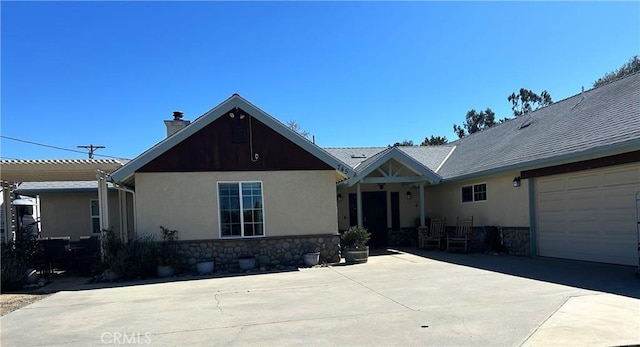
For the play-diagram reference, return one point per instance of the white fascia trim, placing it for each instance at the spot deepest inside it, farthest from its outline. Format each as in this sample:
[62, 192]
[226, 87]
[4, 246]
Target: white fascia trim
[446, 158]
[402, 157]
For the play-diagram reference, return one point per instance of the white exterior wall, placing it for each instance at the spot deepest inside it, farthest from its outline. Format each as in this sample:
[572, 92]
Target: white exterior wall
[505, 205]
[294, 202]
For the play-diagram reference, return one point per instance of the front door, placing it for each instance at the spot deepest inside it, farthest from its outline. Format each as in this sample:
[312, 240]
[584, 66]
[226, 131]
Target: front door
[374, 216]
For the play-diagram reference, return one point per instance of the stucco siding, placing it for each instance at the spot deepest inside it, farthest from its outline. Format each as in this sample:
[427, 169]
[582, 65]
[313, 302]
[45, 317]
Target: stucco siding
[295, 202]
[505, 204]
[69, 214]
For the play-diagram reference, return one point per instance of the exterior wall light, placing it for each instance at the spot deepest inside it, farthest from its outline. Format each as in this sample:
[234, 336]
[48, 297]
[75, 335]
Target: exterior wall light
[409, 196]
[516, 182]
[339, 197]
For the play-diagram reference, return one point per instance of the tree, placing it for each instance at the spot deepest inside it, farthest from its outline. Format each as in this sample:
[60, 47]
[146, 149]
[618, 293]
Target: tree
[293, 125]
[434, 141]
[630, 67]
[475, 121]
[403, 143]
[526, 100]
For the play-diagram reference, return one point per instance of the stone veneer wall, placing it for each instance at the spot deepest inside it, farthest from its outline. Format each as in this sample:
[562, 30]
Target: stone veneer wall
[516, 240]
[270, 252]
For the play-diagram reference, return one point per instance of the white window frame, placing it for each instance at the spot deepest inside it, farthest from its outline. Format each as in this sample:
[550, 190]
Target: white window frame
[264, 220]
[92, 216]
[473, 192]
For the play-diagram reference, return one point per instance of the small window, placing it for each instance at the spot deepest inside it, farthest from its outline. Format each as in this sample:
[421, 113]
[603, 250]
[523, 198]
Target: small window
[467, 194]
[241, 209]
[95, 217]
[476, 192]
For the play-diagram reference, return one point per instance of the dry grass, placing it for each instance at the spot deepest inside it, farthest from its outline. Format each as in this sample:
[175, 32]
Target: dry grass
[12, 302]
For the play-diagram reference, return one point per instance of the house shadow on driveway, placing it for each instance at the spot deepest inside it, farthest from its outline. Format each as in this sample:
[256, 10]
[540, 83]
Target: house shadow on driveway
[84, 283]
[614, 279]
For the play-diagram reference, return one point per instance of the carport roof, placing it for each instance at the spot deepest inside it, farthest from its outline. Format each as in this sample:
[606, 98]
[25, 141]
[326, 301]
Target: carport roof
[55, 169]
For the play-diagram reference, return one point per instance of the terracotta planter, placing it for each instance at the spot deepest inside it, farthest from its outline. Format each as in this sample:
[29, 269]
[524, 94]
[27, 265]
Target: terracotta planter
[355, 255]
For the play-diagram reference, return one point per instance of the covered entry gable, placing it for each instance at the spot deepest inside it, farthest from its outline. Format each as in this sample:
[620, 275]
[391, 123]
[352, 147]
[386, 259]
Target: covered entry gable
[392, 166]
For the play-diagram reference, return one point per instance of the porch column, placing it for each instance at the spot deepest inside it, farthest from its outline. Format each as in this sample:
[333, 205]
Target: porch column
[8, 210]
[124, 223]
[103, 200]
[422, 204]
[359, 204]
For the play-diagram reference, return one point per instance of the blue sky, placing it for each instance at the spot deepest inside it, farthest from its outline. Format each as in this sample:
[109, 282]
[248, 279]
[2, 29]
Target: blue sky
[350, 73]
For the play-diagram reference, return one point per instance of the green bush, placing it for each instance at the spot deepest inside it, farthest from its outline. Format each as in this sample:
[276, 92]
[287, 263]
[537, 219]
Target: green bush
[135, 259]
[16, 258]
[168, 254]
[355, 237]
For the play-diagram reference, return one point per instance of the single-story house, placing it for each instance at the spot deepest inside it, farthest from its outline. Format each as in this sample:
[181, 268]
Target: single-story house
[561, 181]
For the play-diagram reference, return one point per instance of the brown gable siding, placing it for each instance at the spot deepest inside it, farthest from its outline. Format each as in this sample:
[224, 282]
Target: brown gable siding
[225, 145]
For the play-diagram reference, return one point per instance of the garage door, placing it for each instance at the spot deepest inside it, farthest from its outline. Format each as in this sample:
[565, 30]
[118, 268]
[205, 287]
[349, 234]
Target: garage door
[589, 215]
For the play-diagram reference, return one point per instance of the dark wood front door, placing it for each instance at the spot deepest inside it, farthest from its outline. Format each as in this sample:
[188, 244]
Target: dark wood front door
[374, 216]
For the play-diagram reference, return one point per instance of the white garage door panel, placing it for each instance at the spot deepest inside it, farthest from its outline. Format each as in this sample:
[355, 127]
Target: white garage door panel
[589, 215]
[582, 182]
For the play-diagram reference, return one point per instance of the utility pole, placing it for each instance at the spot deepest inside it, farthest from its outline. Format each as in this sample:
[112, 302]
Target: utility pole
[91, 149]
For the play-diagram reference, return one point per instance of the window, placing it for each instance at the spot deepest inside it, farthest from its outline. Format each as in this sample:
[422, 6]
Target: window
[95, 217]
[241, 210]
[476, 192]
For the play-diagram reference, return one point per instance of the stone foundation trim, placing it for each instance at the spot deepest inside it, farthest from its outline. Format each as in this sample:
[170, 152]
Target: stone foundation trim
[270, 252]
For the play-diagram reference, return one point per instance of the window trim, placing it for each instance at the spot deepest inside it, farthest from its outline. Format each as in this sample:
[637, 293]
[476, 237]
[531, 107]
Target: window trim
[473, 192]
[92, 216]
[264, 219]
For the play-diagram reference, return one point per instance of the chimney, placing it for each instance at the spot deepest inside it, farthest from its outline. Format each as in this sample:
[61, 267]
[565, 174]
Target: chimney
[175, 125]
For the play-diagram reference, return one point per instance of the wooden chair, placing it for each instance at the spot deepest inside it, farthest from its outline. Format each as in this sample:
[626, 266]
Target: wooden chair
[459, 241]
[433, 237]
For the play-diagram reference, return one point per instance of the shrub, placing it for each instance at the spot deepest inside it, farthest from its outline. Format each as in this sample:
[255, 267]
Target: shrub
[168, 254]
[355, 237]
[16, 258]
[134, 259]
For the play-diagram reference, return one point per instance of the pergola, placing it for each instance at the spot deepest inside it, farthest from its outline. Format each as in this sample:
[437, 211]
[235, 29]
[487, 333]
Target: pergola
[13, 172]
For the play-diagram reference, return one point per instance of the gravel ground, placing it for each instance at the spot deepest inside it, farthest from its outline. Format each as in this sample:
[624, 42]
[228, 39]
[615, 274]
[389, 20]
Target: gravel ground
[12, 302]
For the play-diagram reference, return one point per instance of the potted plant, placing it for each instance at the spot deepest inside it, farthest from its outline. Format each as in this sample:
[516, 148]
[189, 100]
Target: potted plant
[205, 267]
[312, 257]
[246, 262]
[168, 259]
[354, 243]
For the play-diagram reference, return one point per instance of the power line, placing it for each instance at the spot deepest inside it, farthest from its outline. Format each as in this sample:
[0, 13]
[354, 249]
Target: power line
[56, 147]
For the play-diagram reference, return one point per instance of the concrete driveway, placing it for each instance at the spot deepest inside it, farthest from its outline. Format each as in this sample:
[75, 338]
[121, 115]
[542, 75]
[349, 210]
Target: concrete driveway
[398, 298]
